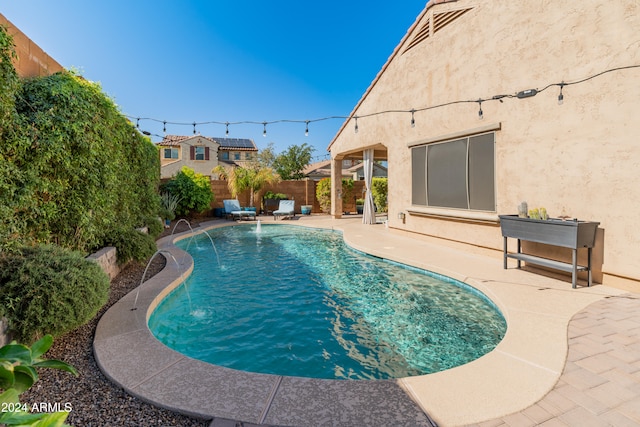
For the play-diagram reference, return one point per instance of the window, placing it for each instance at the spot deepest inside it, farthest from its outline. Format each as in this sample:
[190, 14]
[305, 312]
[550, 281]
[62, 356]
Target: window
[236, 156]
[247, 156]
[224, 155]
[199, 153]
[455, 174]
[170, 153]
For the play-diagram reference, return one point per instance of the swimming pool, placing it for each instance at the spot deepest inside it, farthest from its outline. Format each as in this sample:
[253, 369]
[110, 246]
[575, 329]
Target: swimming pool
[298, 302]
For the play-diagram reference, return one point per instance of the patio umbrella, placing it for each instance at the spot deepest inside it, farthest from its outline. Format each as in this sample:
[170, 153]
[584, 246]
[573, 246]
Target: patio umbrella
[368, 214]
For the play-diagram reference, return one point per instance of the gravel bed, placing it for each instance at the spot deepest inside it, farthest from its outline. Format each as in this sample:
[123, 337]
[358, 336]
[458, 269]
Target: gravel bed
[95, 401]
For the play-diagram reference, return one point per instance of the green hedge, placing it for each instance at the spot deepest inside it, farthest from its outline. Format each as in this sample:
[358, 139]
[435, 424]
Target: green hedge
[49, 290]
[72, 168]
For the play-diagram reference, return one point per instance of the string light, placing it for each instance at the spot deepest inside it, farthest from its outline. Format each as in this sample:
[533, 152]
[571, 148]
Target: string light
[520, 95]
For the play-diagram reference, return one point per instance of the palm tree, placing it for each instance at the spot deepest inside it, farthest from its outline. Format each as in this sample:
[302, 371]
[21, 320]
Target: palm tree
[253, 177]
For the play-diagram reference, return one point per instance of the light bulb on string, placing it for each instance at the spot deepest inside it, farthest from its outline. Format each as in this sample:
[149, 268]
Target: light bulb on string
[306, 129]
[264, 131]
[561, 96]
[138, 123]
[164, 126]
[413, 119]
[480, 113]
[226, 132]
[356, 127]
[194, 128]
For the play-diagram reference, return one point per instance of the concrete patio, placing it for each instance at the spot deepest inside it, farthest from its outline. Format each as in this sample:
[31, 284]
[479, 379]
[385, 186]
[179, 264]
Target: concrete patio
[549, 369]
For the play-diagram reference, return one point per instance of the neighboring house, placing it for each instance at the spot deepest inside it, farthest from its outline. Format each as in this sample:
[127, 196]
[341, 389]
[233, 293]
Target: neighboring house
[480, 84]
[236, 151]
[202, 153]
[197, 152]
[350, 169]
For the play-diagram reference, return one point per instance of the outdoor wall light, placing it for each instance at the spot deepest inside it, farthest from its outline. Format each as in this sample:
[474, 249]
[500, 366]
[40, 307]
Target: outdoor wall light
[401, 216]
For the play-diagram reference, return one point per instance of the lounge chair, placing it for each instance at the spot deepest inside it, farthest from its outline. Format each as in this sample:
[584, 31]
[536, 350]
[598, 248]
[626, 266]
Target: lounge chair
[233, 210]
[285, 208]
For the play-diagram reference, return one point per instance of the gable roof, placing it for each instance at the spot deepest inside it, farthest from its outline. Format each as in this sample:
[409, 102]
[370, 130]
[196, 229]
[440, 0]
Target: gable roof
[226, 144]
[176, 140]
[419, 36]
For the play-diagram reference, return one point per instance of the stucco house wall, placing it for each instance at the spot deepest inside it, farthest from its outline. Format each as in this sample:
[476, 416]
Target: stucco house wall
[579, 159]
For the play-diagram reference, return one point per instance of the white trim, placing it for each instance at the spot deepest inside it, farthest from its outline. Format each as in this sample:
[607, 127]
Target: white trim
[455, 214]
[455, 135]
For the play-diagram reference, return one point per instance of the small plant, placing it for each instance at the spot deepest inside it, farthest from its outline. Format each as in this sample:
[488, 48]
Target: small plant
[543, 214]
[18, 364]
[359, 202]
[274, 196]
[169, 204]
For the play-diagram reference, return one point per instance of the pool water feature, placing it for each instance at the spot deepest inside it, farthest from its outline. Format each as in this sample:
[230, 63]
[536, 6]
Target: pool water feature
[297, 301]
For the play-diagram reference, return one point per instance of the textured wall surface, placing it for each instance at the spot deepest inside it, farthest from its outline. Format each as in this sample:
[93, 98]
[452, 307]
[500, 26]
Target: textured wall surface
[578, 159]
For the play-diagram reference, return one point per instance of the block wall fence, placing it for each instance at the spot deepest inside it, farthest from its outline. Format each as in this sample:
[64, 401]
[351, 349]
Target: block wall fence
[32, 61]
[302, 191]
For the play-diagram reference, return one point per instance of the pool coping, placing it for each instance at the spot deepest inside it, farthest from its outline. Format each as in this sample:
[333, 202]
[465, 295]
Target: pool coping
[519, 372]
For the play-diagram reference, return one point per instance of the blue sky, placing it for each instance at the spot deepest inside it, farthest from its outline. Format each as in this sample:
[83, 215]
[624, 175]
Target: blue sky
[223, 60]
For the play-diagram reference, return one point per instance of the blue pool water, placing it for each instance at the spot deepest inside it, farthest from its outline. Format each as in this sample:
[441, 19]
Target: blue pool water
[297, 301]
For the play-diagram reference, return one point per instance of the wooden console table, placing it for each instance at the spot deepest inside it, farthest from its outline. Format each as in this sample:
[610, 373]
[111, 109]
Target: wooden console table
[556, 232]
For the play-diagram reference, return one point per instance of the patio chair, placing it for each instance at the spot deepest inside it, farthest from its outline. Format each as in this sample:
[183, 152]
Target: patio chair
[285, 208]
[232, 209]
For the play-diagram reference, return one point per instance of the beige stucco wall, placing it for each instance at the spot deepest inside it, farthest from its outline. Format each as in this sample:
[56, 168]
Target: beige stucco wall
[580, 159]
[169, 168]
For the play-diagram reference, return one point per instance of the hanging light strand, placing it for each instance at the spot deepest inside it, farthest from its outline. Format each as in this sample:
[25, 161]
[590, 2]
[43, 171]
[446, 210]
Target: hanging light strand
[520, 95]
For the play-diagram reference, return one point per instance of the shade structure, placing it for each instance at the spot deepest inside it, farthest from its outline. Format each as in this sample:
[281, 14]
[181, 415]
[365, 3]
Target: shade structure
[368, 211]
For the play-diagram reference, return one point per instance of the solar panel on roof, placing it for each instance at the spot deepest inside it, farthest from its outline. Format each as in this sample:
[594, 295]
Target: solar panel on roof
[235, 142]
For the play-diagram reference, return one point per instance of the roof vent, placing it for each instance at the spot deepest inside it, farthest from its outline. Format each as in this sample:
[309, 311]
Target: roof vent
[434, 23]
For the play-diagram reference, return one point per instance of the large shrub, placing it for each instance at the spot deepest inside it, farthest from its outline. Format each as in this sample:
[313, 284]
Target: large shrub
[192, 189]
[323, 192]
[72, 167]
[49, 290]
[379, 191]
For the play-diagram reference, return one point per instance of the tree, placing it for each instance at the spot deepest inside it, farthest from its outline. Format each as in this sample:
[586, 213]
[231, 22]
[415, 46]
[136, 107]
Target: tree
[292, 162]
[267, 156]
[252, 177]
